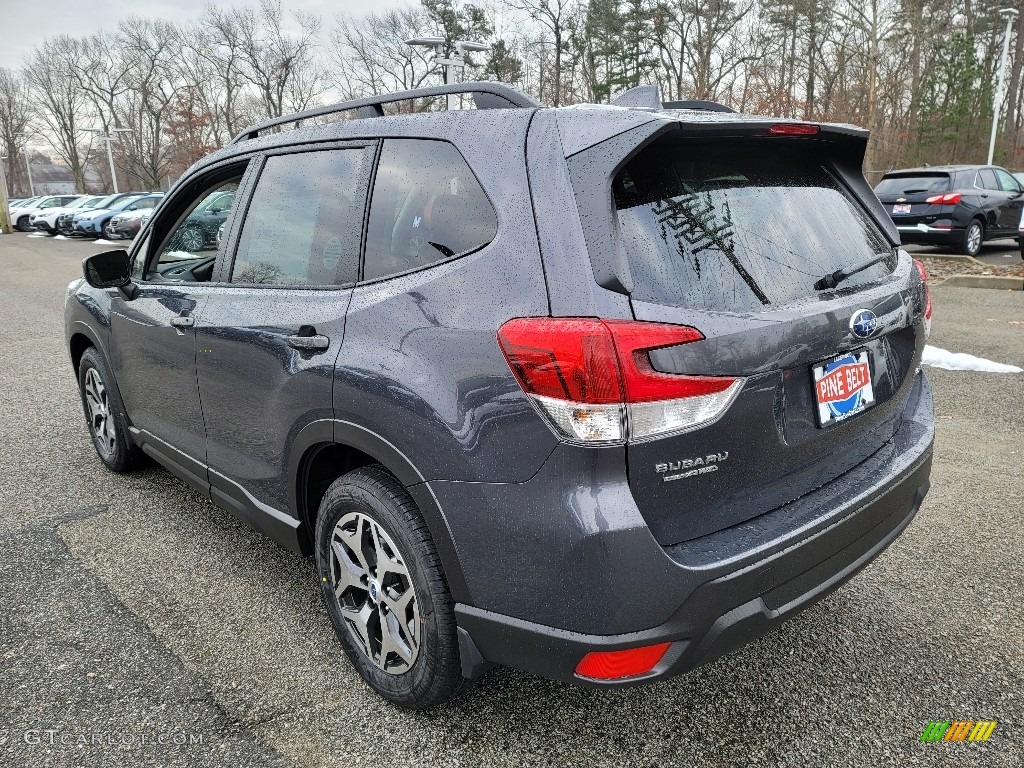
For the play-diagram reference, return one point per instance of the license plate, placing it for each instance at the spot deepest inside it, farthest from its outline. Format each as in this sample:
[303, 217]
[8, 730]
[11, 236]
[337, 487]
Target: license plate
[901, 208]
[842, 387]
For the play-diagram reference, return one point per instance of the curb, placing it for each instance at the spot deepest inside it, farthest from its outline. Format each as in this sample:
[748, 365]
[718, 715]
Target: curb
[985, 281]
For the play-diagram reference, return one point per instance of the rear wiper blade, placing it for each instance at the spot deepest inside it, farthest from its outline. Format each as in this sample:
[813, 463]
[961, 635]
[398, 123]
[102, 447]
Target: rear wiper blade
[833, 279]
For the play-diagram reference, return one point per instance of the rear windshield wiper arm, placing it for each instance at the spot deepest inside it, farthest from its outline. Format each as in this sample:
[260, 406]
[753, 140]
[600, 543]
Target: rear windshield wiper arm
[833, 279]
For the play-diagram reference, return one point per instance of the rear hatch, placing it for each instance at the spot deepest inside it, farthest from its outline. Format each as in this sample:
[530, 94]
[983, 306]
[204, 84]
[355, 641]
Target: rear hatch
[905, 195]
[733, 237]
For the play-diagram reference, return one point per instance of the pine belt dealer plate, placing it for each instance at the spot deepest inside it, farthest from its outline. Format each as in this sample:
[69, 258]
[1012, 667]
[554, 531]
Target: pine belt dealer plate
[842, 387]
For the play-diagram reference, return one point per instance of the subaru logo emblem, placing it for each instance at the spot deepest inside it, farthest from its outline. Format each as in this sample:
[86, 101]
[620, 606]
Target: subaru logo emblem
[863, 323]
[373, 592]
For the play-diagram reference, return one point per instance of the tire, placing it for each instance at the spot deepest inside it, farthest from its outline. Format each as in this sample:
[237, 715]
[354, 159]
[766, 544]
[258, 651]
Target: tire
[109, 233]
[420, 668]
[23, 225]
[974, 236]
[190, 238]
[104, 415]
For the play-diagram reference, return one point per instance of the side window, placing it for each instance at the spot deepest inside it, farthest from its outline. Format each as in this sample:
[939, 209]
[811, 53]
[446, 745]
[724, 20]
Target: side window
[1008, 183]
[192, 240]
[987, 179]
[427, 206]
[304, 224]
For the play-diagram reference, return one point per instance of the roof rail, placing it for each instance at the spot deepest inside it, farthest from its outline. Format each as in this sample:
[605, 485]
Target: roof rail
[485, 95]
[707, 106]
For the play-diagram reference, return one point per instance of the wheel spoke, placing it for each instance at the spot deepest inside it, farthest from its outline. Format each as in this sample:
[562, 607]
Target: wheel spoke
[385, 563]
[393, 638]
[359, 619]
[349, 572]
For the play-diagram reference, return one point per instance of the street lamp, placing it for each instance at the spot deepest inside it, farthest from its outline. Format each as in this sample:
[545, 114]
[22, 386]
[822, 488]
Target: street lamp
[462, 47]
[110, 137]
[1009, 14]
[28, 165]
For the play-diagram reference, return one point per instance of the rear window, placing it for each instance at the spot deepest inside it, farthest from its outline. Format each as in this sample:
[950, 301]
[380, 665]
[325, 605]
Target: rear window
[718, 226]
[916, 184]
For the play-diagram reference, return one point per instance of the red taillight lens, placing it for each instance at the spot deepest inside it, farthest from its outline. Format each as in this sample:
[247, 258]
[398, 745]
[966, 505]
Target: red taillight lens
[585, 373]
[927, 297]
[564, 358]
[951, 198]
[642, 383]
[793, 129]
[613, 665]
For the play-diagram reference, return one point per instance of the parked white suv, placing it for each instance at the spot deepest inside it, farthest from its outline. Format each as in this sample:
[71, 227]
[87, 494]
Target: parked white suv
[46, 219]
[21, 218]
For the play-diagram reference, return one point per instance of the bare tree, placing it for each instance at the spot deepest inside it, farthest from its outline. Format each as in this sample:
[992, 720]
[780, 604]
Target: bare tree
[63, 104]
[15, 117]
[280, 66]
[370, 54]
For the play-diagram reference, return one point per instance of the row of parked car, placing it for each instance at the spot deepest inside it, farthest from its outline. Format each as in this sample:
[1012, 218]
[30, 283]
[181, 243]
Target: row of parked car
[117, 216]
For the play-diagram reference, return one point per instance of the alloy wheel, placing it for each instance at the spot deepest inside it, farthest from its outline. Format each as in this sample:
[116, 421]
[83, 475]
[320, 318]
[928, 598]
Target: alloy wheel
[101, 421]
[192, 240]
[375, 593]
[974, 239]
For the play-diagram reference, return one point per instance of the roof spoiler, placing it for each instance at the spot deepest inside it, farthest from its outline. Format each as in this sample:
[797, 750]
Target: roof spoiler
[647, 97]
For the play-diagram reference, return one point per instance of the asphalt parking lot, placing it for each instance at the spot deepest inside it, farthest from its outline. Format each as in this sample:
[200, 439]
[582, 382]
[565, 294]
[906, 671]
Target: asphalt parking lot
[135, 611]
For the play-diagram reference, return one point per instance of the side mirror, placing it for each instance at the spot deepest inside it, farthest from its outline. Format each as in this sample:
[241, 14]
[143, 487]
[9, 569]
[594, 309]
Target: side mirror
[110, 269]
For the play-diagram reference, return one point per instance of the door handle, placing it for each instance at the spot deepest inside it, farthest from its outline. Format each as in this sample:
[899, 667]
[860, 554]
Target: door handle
[314, 343]
[183, 321]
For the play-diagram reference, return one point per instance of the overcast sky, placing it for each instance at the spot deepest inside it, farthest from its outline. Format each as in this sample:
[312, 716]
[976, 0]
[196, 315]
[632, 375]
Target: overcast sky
[25, 23]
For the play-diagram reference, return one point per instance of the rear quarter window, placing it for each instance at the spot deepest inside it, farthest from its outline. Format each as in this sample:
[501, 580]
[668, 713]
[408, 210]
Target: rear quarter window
[733, 227]
[427, 207]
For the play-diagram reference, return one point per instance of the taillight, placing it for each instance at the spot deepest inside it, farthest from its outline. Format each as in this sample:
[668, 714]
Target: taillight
[927, 297]
[594, 381]
[614, 665]
[793, 129]
[950, 198]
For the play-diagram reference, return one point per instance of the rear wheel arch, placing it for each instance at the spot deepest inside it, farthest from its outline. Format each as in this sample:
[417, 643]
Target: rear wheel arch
[325, 450]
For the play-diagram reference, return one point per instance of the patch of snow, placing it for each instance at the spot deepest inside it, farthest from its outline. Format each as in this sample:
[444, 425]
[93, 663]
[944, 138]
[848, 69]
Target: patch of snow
[37, 234]
[61, 237]
[937, 357]
[105, 242]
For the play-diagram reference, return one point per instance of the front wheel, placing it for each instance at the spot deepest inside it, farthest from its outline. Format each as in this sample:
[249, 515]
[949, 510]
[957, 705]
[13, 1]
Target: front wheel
[23, 224]
[385, 590]
[974, 236]
[108, 425]
[109, 233]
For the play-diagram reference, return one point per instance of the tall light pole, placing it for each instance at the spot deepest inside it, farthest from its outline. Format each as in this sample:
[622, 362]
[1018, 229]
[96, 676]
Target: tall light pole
[1009, 14]
[28, 165]
[462, 47]
[109, 137]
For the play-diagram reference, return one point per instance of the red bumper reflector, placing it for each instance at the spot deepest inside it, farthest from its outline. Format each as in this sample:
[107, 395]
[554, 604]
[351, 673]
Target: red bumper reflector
[612, 665]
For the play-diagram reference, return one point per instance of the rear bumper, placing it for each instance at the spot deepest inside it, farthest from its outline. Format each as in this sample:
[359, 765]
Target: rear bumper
[923, 234]
[725, 589]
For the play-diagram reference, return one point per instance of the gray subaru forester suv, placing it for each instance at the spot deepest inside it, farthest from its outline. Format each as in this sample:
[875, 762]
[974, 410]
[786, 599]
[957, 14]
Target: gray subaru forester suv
[600, 393]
